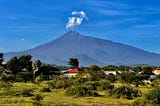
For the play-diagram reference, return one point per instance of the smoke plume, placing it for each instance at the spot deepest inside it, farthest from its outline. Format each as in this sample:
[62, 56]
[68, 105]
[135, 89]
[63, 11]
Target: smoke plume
[76, 19]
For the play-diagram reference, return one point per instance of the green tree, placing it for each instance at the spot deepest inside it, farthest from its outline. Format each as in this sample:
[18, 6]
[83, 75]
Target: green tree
[18, 64]
[14, 65]
[94, 68]
[25, 62]
[73, 62]
[95, 72]
[46, 71]
[147, 70]
[1, 58]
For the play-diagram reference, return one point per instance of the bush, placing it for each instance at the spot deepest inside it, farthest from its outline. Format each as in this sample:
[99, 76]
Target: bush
[140, 102]
[80, 91]
[125, 78]
[24, 76]
[5, 85]
[24, 92]
[154, 96]
[38, 98]
[55, 77]
[111, 77]
[105, 85]
[38, 80]
[51, 84]
[8, 77]
[27, 92]
[156, 83]
[125, 92]
[79, 81]
[91, 85]
[45, 90]
[63, 83]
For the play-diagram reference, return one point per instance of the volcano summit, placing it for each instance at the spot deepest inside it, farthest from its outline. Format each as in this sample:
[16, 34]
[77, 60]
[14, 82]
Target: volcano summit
[88, 50]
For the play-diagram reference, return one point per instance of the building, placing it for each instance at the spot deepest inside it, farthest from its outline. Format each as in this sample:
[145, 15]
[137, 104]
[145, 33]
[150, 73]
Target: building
[110, 72]
[72, 72]
[156, 71]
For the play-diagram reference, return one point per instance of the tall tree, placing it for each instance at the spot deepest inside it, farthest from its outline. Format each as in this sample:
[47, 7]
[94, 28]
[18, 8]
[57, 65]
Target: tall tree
[17, 64]
[25, 62]
[1, 58]
[14, 65]
[73, 62]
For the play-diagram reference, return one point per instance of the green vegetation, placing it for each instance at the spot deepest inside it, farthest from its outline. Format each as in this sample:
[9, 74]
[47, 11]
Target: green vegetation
[127, 92]
[33, 83]
[154, 96]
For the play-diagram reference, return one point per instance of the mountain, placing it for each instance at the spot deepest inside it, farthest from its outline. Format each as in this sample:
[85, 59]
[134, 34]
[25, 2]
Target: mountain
[88, 50]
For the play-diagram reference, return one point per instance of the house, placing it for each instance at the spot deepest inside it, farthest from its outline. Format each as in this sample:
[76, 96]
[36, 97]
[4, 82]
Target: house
[110, 72]
[72, 72]
[156, 71]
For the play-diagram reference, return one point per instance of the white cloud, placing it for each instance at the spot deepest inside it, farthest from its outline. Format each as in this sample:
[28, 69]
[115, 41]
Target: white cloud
[77, 19]
[82, 14]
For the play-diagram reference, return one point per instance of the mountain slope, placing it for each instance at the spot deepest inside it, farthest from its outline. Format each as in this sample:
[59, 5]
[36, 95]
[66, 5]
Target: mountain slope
[88, 50]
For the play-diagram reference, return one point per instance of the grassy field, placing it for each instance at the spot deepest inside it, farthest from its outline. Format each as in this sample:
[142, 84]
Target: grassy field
[57, 97]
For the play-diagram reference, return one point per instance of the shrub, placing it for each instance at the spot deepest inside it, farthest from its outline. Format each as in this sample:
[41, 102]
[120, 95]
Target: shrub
[27, 92]
[156, 83]
[45, 90]
[139, 102]
[38, 80]
[5, 85]
[8, 77]
[80, 91]
[51, 84]
[24, 76]
[79, 81]
[154, 96]
[125, 78]
[92, 85]
[105, 85]
[38, 98]
[125, 92]
[63, 83]
[55, 77]
[24, 92]
[111, 77]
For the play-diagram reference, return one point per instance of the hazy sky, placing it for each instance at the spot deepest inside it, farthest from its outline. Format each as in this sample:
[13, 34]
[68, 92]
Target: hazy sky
[26, 24]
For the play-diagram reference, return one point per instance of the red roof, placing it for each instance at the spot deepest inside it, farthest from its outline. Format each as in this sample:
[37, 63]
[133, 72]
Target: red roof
[75, 70]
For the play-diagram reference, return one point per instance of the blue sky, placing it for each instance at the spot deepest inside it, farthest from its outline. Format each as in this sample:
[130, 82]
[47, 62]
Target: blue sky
[25, 24]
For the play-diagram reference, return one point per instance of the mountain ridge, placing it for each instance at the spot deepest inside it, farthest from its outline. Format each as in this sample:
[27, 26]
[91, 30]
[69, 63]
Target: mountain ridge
[89, 50]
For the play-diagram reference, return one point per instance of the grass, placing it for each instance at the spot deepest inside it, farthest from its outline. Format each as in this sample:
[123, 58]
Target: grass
[58, 98]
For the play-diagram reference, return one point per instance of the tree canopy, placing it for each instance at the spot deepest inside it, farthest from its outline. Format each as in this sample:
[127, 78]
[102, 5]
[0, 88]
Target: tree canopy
[16, 64]
[73, 62]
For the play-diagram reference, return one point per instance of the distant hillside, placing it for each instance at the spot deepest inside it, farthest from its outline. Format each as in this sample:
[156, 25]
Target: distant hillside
[89, 50]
